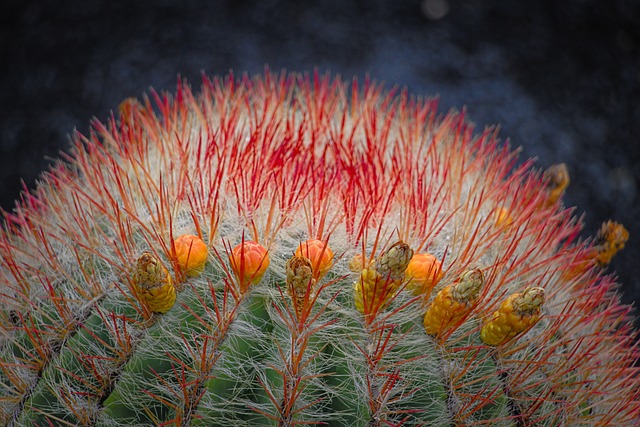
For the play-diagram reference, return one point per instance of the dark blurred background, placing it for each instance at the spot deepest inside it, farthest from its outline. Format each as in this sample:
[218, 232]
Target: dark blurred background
[561, 78]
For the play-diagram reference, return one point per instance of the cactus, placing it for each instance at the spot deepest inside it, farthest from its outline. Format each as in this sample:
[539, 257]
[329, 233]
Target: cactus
[291, 250]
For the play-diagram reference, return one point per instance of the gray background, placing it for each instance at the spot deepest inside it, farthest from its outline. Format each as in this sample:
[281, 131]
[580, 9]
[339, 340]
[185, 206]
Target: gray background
[561, 78]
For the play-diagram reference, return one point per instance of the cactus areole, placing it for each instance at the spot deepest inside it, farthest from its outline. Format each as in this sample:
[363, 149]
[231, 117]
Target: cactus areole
[243, 256]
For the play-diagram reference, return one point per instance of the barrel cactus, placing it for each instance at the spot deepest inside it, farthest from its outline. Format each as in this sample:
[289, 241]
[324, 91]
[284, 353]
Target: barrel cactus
[293, 249]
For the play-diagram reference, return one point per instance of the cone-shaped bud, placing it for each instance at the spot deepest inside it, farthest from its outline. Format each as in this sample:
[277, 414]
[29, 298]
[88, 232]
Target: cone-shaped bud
[380, 282]
[320, 255]
[393, 263]
[422, 274]
[191, 253]
[556, 179]
[610, 239]
[153, 284]
[249, 261]
[516, 314]
[300, 281]
[453, 303]
[373, 290]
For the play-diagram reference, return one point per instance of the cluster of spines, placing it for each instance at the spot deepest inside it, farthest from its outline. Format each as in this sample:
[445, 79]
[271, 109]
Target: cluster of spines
[67, 254]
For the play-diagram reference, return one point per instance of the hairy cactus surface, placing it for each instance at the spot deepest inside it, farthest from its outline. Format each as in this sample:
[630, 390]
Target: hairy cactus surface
[291, 250]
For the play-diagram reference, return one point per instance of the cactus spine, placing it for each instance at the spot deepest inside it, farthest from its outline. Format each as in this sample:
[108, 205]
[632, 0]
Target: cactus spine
[292, 250]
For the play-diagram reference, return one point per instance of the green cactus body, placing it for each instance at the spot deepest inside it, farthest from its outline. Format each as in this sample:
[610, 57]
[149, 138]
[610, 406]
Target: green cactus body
[335, 339]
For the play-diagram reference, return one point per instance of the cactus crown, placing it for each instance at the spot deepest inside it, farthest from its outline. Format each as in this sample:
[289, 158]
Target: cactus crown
[292, 250]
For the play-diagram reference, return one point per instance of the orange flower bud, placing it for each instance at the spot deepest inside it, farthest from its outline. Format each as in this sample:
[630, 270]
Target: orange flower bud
[610, 239]
[191, 254]
[556, 179]
[502, 217]
[320, 255]
[249, 261]
[422, 274]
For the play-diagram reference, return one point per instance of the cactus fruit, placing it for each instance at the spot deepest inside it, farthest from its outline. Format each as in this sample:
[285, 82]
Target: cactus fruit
[294, 299]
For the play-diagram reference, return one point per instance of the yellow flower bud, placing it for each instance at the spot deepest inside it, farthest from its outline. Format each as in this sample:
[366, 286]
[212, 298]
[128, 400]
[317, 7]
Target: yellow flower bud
[610, 239]
[453, 303]
[153, 284]
[393, 263]
[191, 253]
[371, 288]
[320, 255]
[249, 261]
[300, 281]
[516, 314]
[379, 282]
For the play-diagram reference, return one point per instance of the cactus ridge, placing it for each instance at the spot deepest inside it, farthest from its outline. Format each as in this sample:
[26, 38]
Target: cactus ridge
[307, 197]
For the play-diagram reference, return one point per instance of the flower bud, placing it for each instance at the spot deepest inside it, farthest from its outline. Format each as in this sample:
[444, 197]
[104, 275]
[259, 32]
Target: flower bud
[153, 284]
[249, 261]
[191, 253]
[320, 255]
